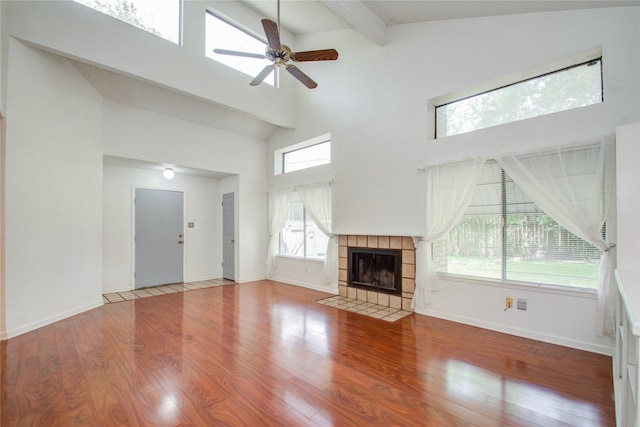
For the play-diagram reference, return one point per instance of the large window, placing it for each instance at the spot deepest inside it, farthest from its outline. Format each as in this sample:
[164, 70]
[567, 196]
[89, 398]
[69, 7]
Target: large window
[572, 87]
[301, 237]
[503, 235]
[159, 17]
[222, 34]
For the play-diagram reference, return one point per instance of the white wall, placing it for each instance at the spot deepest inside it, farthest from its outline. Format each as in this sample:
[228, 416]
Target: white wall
[74, 30]
[53, 191]
[302, 272]
[374, 102]
[202, 244]
[139, 134]
[628, 178]
[59, 128]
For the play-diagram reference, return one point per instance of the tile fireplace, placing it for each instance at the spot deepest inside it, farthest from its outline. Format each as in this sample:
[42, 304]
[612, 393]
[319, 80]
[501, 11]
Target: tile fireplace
[377, 269]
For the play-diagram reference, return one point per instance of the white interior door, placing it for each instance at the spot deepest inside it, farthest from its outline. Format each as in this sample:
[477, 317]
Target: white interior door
[159, 237]
[228, 237]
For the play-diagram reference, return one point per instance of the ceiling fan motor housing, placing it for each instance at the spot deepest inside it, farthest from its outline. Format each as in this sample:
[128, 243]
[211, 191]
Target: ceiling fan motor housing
[279, 56]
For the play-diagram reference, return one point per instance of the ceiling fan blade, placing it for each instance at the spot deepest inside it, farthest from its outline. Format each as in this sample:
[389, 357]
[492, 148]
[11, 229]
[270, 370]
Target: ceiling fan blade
[302, 77]
[315, 55]
[263, 75]
[271, 31]
[236, 53]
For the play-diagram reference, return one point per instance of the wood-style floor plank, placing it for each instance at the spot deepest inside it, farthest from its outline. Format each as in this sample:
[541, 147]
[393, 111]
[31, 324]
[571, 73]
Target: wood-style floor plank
[264, 353]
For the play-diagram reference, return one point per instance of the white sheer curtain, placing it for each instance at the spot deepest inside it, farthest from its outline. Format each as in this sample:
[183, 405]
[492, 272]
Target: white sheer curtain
[449, 190]
[278, 213]
[317, 202]
[573, 185]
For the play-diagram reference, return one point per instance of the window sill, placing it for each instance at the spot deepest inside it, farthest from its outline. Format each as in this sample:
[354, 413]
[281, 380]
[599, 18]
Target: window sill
[296, 258]
[530, 287]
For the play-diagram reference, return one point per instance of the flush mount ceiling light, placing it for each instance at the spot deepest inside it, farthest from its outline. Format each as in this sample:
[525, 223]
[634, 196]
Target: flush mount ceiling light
[168, 173]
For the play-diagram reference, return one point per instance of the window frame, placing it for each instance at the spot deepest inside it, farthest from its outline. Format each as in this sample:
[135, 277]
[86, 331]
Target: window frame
[180, 18]
[554, 66]
[504, 254]
[279, 154]
[284, 156]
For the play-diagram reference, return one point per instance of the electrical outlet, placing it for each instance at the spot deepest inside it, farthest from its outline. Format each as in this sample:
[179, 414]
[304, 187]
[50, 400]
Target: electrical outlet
[522, 304]
[508, 303]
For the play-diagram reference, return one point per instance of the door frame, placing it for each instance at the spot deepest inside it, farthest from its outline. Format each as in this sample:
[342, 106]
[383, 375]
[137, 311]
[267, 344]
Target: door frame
[133, 229]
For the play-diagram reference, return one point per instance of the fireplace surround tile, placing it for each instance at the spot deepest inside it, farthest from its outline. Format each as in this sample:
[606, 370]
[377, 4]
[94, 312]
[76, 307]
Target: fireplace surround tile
[403, 243]
[395, 242]
[395, 302]
[352, 293]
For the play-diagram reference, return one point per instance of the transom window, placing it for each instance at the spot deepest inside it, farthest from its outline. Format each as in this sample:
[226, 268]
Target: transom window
[307, 154]
[222, 34]
[564, 89]
[301, 237]
[503, 235]
[307, 157]
[159, 17]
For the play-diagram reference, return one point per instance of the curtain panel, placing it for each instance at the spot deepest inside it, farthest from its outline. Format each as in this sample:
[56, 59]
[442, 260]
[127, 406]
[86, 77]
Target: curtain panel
[573, 185]
[449, 190]
[278, 212]
[317, 202]
[316, 199]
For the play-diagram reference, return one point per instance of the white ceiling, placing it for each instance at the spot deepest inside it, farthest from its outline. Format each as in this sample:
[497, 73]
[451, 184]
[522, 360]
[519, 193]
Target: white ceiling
[372, 17]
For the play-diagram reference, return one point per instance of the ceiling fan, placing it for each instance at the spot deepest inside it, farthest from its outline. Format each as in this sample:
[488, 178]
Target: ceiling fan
[281, 54]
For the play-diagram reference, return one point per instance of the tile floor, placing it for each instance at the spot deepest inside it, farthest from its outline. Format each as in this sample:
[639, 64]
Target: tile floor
[367, 308]
[163, 289]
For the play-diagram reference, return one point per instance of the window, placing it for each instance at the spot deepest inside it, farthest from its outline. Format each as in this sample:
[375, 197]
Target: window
[503, 235]
[307, 157]
[301, 237]
[159, 17]
[307, 154]
[222, 34]
[572, 87]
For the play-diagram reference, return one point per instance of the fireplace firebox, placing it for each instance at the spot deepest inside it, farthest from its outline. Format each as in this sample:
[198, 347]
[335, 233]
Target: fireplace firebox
[375, 269]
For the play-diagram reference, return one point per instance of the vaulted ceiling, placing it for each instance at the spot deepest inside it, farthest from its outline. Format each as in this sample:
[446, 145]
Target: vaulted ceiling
[373, 17]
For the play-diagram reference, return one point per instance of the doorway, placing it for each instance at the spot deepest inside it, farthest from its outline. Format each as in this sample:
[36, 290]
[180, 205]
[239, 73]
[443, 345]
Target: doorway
[228, 237]
[159, 237]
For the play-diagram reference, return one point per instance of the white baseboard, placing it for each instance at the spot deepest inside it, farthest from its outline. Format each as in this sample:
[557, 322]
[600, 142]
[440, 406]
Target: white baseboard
[332, 289]
[48, 320]
[202, 278]
[251, 278]
[112, 289]
[524, 333]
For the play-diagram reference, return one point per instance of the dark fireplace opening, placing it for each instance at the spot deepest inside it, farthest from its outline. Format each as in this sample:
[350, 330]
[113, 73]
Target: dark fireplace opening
[375, 269]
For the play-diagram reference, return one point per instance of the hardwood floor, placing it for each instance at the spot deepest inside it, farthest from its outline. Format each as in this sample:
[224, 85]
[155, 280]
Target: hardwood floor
[264, 353]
